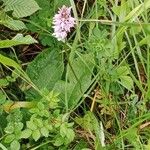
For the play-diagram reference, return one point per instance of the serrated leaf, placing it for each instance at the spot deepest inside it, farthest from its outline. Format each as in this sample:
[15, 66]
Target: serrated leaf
[44, 131]
[36, 134]
[10, 22]
[39, 122]
[21, 8]
[67, 133]
[48, 125]
[19, 126]
[15, 24]
[15, 145]
[31, 125]
[26, 133]
[17, 40]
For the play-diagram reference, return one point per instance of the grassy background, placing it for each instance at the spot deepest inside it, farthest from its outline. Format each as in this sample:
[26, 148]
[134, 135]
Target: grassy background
[102, 71]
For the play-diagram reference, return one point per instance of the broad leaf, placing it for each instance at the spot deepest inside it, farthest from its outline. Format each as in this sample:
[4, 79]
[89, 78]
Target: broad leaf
[46, 69]
[79, 76]
[17, 40]
[11, 23]
[21, 8]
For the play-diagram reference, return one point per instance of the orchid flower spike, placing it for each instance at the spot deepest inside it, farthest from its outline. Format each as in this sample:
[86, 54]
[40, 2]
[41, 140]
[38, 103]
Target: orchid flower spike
[63, 22]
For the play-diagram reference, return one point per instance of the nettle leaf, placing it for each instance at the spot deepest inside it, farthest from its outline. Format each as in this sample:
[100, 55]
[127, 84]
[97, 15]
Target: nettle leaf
[10, 22]
[17, 40]
[78, 82]
[46, 69]
[21, 8]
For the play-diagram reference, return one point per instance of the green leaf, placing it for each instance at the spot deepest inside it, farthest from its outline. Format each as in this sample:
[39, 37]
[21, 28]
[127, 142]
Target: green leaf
[39, 122]
[2, 97]
[9, 138]
[67, 133]
[138, 10]
[59, 141]
[81, 145]
[123, 70]
[15, 145]
[36, 134]
[46, 69]
[48, 125]
[10, 22]
[40, 106]
[121, 10]
[3, 83]
[3, 147]
[44, 131]
[9, 129]
[79, 82]
[63, 130]
[127, 82]
[9, 62]
[17, 40]
[88, 122]
[26, 133]
[31, 125]
[21, 8]
[70, 136]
